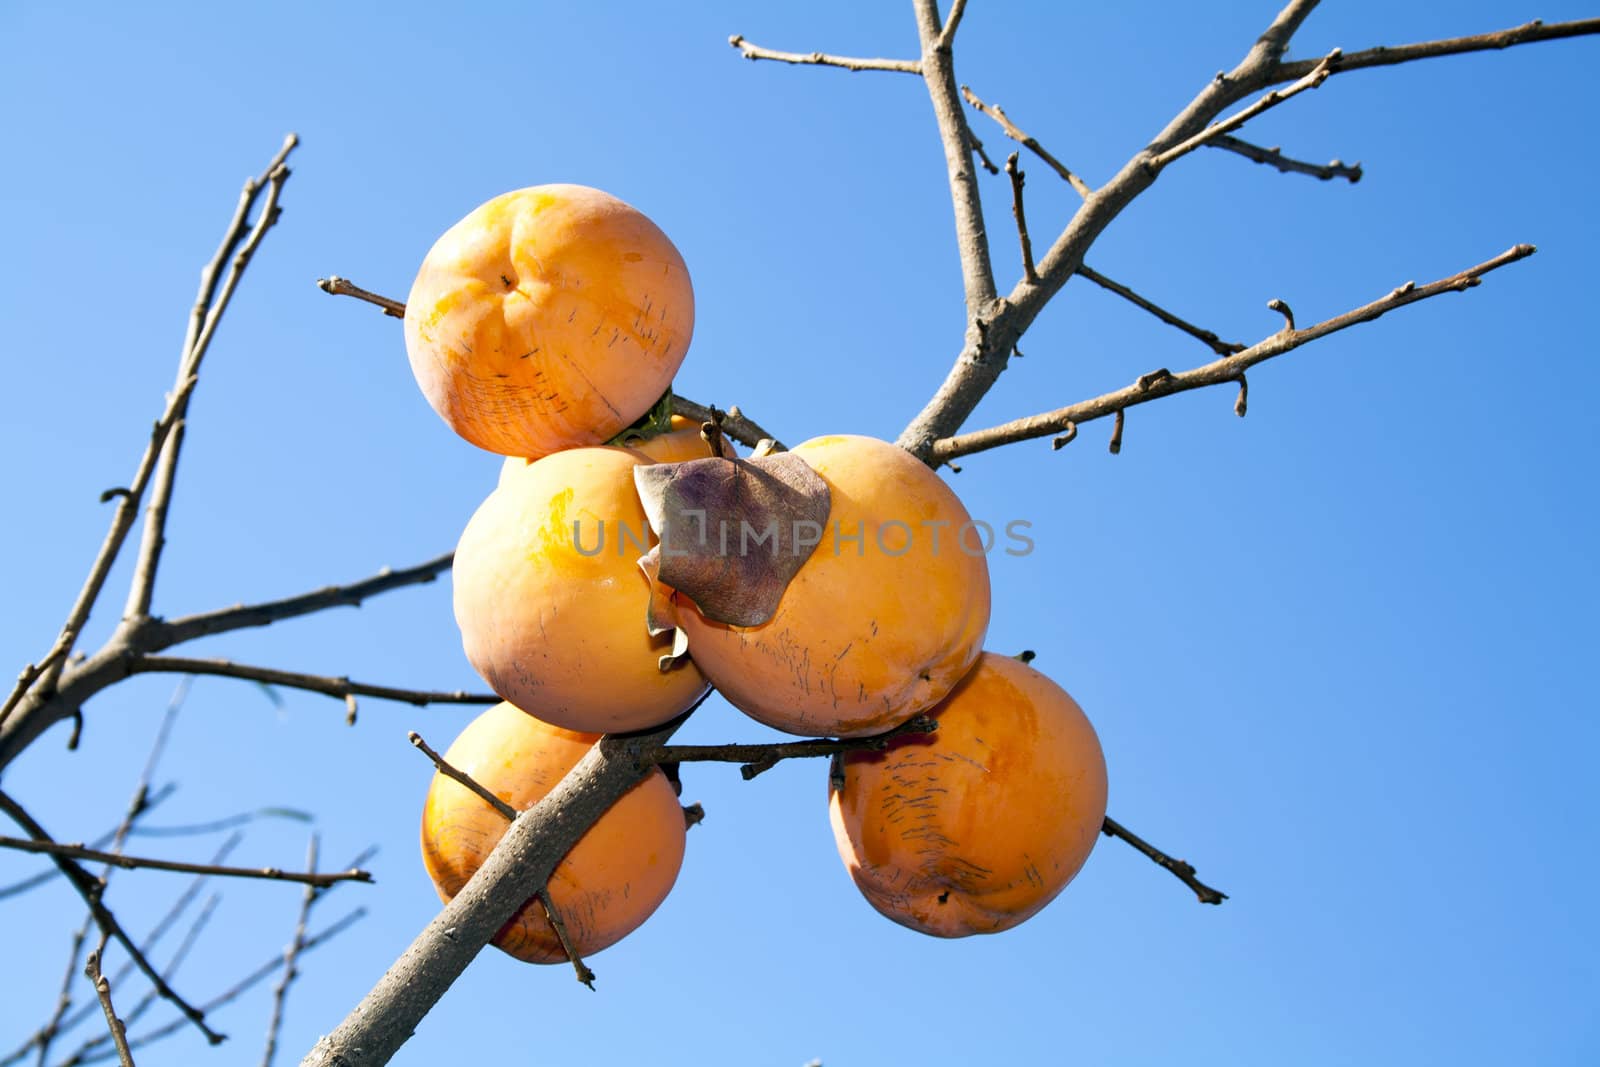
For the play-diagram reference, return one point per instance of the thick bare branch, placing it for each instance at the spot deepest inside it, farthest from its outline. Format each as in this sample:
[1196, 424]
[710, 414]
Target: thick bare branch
[1274, 157]
[1381, 56]
[819, 59]
[328, 685]
[238, 248]
[1181, 869]
[996, 112]
[165, 634]
[972, 241]
[117, 859]
[1226, 370]
[522, 862]
[1211, 340]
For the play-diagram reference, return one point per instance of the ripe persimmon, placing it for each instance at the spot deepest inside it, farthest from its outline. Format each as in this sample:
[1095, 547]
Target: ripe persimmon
[617, 874]
[552, 604]
[680, 442]
[975, 827]
[882, 619]
[548, 318]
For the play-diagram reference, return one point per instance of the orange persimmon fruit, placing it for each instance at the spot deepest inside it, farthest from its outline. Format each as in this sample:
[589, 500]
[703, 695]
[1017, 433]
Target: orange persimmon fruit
[617, 874]
[884, 617]
[681, 441]
[548, 318]
[551, 602]
[975, 827]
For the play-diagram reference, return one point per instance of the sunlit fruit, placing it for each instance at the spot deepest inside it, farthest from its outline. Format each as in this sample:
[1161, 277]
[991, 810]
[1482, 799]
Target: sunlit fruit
[975, 827]
[883, 618]
[548, 318]
[617, 874]
[552, 604]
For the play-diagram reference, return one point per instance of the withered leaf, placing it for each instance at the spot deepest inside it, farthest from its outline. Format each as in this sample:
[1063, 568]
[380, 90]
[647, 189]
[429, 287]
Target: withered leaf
[733, 532]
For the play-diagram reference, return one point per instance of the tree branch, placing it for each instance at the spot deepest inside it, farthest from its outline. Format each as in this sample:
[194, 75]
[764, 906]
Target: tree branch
[952, 22]
[1228, 369]
[1274, 157]
[327, 685]
[451, 771]
[240, 243]
[1017, 177]
[334, 285]
[818, 59]
[291, 955]
[102, 989]
[117, 859]
[1381, 56]
[1312, 80]
[758, 758]
[735, 423]
[1012, 131]
[165, 634]
[91, 888]
[522, 862]
[972, 242]
[1181, 869]
[1211, 340]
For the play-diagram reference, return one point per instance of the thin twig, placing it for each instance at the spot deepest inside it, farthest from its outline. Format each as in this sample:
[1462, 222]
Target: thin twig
[1527, 33]
[1225, 370]
[103, 841]
[102, 989]
[86, 1053]
[280, 992]
[1312, 79]
[758, 758]
[1181, 869]
[1274, 157]
[90, 889]
[581, 969]
[328, 685]
[353, 594]
[998, 113]
[337, 286]
[118, 859]
[983, 157]
[238, 248]
[449, 770]
[735, 423]
[1211, 340]
[819, 59]
[1022, 219]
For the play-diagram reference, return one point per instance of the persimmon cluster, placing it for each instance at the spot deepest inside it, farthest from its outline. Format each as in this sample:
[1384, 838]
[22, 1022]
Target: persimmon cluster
[547, 326]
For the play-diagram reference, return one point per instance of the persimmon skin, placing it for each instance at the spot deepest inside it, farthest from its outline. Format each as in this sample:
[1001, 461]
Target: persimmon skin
[550, 317]
[614, 878]
[974, 828]
[681, 442]
[558, 629]
[863, 639]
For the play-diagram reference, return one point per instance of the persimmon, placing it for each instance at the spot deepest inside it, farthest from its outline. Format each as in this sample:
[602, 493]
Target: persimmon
[975, 827]
[617, 874]
[681, 441]
[881, 620]
[548, 318]
[551, 602]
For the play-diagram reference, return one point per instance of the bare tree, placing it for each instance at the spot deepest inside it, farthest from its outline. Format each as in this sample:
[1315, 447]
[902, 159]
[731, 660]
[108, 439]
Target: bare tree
[58, 684]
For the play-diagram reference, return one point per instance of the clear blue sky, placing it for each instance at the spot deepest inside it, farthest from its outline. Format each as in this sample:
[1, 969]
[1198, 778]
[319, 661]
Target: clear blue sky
[1340, 653]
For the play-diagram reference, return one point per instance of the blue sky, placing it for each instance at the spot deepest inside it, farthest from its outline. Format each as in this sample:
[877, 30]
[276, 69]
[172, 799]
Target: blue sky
[1339, 652]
